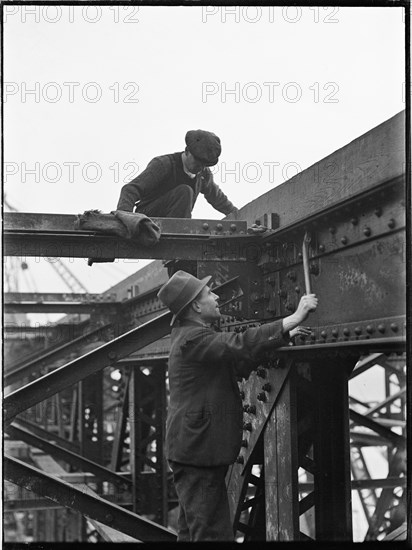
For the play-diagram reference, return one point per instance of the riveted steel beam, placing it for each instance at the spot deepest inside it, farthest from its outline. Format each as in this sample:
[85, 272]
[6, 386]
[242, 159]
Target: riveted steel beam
[53, 235]
[31, 367]
[104, 474]
[105, 355]
[90, 506]
[108, 308]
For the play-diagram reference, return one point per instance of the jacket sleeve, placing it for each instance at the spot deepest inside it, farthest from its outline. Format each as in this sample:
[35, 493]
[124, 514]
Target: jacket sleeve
[214, 195]
[144, 185]
[208, 347]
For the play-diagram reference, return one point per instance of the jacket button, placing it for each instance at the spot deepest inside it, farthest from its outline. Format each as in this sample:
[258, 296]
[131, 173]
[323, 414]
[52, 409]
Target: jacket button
[240, 460]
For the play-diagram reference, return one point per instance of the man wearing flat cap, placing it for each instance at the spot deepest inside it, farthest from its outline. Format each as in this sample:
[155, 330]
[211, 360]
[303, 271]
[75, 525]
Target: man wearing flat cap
[204, 418]
[170, 184]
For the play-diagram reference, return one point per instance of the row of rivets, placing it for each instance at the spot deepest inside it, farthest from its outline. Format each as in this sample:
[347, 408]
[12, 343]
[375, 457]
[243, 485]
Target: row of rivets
[370, 329]
[219, 226]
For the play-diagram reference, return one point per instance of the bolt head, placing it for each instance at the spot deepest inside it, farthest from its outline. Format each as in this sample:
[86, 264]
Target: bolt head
[219, 227]
[369, 329]
[358, 331]
[367, 231]
[381, 328]
[205, 226]
[323, 333]
[321, 248]
[354, 221]
[344, 240]
[394, 327]
[391, 223]
[346, 331]
[233, 227]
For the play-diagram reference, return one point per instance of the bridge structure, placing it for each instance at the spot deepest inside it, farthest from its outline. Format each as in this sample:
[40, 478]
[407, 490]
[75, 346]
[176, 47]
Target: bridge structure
[85, 407]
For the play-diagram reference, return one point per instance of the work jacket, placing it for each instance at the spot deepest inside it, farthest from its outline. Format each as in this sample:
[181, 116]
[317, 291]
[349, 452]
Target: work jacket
[205, 418]
[163, 174]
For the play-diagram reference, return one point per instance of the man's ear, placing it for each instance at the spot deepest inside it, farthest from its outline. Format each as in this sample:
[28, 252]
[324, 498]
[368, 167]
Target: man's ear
[196, 306]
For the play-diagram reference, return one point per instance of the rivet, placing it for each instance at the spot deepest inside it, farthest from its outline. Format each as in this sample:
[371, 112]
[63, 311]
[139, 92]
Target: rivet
[233, 227]
[344, 240]
[358, 330]
[394, 327]
[332, 229]
[354, 221]
[297, 289]
[205, 226]
[313, 336]
[219, 227]
[391, 223]
[381, 328]
[367, 231]
[321, 248]
[335, 332]
[267, 387]
[247, 426]
[244, 443]
[240, 460]
[323, 334]
[252, 409]
[261, 372]
[369, 329]
[346, 331]
[261, 397]
[378, 211]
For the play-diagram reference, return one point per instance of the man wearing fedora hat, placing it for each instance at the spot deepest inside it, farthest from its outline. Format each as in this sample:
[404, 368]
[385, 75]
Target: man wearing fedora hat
[170, 184]
[204, 420]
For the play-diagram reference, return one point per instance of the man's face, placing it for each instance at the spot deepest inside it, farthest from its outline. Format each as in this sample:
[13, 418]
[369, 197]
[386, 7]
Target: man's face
[193, 164]
[208, 306]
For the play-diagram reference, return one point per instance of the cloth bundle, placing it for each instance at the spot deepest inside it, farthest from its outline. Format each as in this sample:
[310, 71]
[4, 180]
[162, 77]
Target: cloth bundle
[134, 227]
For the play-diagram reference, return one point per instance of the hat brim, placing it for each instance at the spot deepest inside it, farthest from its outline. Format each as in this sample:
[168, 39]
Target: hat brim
[203, 283]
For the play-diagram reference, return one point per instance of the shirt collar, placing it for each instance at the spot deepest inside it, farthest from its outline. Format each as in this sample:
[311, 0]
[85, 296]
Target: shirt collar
[186, 171]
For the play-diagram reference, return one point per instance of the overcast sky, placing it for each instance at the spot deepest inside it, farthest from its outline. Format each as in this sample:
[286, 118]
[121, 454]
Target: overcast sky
[92, 93]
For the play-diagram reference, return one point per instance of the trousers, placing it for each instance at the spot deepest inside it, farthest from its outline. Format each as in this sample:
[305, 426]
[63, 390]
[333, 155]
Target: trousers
[176, 203]
[203, 503]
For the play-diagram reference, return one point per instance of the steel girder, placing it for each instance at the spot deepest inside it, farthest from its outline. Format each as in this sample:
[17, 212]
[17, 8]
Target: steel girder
[90, 506]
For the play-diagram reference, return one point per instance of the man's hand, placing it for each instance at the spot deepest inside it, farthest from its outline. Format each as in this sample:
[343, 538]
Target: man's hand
[307, 304]
[300, 331]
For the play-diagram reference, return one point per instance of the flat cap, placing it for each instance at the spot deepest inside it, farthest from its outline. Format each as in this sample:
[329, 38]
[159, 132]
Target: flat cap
[204, 145]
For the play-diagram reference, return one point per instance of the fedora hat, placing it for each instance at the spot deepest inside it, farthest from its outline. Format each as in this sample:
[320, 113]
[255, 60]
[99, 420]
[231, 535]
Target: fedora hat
[180, 290]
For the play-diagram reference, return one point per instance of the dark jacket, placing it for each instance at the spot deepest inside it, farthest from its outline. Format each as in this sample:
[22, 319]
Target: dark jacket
[204, 420]
[164, 173]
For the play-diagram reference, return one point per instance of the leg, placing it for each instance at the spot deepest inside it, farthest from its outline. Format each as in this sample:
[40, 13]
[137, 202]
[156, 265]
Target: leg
[182, 527]
[177, 203]
[203, 497]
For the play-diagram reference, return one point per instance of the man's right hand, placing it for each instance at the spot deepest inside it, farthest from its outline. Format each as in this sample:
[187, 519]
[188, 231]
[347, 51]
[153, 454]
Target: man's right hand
[307, 303]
